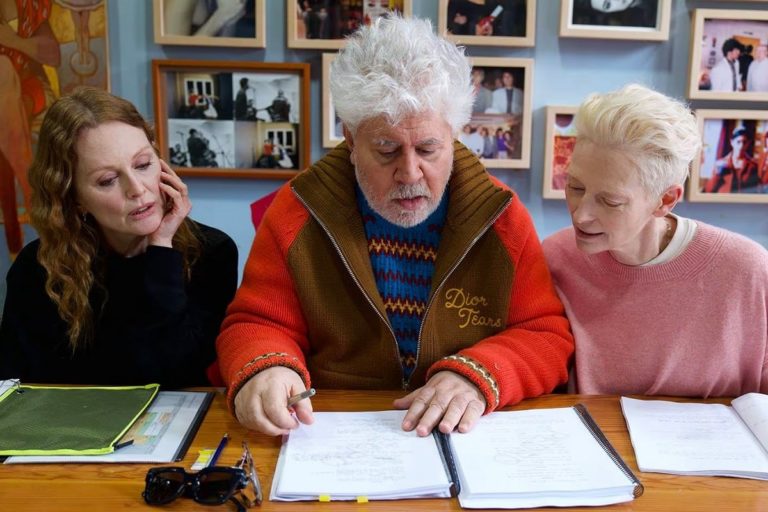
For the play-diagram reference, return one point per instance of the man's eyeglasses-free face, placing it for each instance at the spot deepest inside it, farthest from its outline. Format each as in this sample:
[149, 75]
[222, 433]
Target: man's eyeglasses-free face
[210, 486]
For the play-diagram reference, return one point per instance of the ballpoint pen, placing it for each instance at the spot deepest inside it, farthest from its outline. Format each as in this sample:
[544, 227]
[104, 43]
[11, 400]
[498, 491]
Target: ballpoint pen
[301, 396]
[219, 449]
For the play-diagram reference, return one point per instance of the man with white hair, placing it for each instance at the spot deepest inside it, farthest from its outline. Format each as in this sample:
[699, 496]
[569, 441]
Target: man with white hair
[757, 76]
[396, 261]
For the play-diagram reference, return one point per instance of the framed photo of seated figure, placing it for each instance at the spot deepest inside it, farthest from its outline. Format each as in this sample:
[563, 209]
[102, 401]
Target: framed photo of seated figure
[333, 133]
[325, 24]
[643, 20]
[729, 55]
[499, 131]
[232, 119]
[204, 23]
[488, 22]
[558, 148]
[733, 165]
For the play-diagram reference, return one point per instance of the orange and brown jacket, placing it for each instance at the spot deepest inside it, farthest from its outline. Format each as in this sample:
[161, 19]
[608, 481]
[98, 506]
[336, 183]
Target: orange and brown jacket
[309, 299]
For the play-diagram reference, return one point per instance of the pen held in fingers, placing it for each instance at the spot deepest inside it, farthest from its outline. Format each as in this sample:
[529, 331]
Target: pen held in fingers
[301, 396]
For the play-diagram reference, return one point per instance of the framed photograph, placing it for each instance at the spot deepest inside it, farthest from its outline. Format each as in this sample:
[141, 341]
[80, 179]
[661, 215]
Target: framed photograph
[644, 20]
[204, 23]
[733, 167]
[729, 55]
[499, 131]
[558, 148]
[333, 134]
[492, 23]
[324, 24]
[232, 119]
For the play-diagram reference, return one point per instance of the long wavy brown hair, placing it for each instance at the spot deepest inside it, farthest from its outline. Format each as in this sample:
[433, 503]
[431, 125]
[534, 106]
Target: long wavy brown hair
[72, 249]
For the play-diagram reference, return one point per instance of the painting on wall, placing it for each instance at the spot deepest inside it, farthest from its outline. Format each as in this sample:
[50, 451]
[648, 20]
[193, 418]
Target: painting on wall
[729, 55]
[645, 20]
[499, 131]
[232, 119]
[333, 133]
[324, 24]
[733, 166]
[72, 50]
[558, 148]
[205, 23]
[488, 23]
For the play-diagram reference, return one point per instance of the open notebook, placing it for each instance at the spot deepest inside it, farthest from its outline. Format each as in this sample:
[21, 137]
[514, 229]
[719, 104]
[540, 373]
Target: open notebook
[700, 439]
[516, 459]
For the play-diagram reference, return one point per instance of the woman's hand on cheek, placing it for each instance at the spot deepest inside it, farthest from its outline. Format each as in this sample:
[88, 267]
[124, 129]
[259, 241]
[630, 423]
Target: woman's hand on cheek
[177, 206]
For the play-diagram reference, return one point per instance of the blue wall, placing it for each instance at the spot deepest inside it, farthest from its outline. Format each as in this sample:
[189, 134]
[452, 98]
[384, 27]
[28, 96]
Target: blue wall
[565, 70]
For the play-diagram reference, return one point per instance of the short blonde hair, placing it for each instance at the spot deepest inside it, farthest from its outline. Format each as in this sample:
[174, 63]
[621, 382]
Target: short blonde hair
[658, 133]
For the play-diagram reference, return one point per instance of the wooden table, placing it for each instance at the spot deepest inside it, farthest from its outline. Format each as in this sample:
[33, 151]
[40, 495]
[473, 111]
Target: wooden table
[113, 487]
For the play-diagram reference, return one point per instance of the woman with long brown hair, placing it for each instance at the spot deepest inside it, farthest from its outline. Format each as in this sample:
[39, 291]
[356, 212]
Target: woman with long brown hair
[121, 287]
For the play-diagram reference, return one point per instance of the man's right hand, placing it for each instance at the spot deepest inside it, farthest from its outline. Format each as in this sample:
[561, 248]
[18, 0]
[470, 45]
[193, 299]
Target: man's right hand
[262, 403]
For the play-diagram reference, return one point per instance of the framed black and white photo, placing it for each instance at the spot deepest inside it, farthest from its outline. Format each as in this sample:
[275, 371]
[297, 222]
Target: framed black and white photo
[201, 23]
[244, 119]
[645, 20]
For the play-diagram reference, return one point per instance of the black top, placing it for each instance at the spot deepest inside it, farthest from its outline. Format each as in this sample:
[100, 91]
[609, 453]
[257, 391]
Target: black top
[154, 327]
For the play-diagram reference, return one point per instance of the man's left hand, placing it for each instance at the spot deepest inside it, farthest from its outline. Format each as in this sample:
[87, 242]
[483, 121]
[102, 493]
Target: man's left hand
[445, 401]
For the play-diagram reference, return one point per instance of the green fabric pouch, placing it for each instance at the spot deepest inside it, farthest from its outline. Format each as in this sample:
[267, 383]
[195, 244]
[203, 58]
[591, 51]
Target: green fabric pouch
[48, 420]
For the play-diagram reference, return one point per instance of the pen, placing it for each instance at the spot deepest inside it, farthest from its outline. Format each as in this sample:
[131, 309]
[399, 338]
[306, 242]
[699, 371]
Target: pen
[301, 396]
[219, 449]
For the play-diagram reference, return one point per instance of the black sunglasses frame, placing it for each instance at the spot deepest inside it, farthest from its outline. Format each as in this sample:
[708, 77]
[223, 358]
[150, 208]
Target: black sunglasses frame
[192, 485]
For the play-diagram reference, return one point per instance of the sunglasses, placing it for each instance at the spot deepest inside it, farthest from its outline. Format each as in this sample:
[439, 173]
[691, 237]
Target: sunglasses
[210, 486]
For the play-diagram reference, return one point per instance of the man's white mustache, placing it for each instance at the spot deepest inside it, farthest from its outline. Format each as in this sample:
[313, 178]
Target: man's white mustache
[410, 191]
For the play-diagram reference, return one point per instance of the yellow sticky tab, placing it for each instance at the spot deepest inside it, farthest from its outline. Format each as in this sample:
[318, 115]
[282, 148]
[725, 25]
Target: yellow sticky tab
[324, 498]
[362, 499]
[202, 459]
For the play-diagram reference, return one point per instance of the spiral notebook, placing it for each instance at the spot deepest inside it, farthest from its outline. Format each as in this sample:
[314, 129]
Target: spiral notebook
[514, 459]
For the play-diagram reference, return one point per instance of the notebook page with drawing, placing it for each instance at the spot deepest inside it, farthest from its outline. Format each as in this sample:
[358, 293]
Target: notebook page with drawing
[699, 439]
[537, 458]
[348, 455]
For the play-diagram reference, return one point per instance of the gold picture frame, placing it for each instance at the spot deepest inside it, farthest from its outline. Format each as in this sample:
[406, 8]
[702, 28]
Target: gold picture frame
[184, 22]
[462, 28]
[733, 165]
[559, 141]
[310, 30]
[579, 19]
[713, 30]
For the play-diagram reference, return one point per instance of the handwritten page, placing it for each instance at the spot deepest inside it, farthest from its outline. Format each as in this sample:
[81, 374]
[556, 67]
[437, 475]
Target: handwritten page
[753, 410]
[347, 455]
[692, 438]
[528, 458]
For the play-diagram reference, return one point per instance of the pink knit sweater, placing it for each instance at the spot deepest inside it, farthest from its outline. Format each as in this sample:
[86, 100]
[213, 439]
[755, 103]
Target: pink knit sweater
[695, 326]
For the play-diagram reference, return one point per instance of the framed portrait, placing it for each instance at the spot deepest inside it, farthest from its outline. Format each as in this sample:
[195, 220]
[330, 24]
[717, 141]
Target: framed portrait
[499, 131]
[492, 23]
[729, 55]
[232, 119]
[333, 134]
[558, 148]
[203, 23]
[74, 42]
[324, 24]
[645, 20]
[733, 165]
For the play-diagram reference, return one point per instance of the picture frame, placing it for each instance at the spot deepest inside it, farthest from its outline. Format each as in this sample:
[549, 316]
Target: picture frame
[319, 28]
[332, 132]
[253, 117]
[506, 115]
[559, 142]
[190, 23]
[648, 21]
[733, 165]
[718, 37]
[507, 28]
